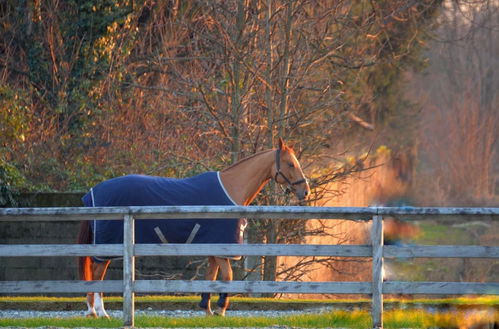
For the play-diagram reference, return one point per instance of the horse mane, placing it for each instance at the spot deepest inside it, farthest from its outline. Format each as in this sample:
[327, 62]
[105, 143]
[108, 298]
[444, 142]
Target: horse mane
[286, 149]
[246, 159]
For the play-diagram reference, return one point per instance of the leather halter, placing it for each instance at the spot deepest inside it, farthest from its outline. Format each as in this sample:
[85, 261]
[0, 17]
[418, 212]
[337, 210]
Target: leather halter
[278, 172]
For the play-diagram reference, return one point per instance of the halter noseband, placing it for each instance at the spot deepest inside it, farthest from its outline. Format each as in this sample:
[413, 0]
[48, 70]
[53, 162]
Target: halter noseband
[278, 172]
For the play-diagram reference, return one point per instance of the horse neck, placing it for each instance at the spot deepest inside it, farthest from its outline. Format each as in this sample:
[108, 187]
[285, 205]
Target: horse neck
[246, 178]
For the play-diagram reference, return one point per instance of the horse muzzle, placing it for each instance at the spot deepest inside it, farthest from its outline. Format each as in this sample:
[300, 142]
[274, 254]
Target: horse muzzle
[302, 193]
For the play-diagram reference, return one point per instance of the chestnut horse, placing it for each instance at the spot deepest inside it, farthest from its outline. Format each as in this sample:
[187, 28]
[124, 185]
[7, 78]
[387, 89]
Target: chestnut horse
[241, 182]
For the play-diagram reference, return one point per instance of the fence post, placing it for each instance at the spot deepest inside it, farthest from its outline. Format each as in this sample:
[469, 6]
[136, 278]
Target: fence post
[377, 283]
[128, 270]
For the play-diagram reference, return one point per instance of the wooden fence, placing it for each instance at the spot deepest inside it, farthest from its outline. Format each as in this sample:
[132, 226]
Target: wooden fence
[129, 286]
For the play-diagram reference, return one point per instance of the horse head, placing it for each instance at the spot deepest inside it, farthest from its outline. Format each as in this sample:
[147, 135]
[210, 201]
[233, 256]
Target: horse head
[287, 171]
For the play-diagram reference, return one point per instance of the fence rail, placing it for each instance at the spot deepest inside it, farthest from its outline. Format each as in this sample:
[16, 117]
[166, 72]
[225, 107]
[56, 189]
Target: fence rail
[129, 286]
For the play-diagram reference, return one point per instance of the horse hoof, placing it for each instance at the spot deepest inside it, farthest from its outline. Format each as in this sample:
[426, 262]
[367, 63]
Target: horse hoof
[206, 309]
[220, 312]
[91, 315]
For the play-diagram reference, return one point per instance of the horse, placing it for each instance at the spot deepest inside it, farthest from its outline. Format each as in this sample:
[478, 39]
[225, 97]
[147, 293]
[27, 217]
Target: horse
[238, 184]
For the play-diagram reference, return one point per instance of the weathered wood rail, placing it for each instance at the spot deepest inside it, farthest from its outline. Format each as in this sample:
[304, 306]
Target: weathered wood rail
[129, 286]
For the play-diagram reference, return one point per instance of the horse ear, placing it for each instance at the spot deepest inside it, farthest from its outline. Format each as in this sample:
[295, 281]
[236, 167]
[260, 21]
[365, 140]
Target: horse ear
[281, 144]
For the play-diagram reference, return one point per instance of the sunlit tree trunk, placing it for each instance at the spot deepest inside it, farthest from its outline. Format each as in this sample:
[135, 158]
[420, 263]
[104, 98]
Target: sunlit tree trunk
[235, 104]
[270, 264]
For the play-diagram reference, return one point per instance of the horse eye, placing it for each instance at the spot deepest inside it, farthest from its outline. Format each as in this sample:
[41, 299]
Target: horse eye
[291, 165]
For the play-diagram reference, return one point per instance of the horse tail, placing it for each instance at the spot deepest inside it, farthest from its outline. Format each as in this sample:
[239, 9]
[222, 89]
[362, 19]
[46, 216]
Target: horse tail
[85, 236]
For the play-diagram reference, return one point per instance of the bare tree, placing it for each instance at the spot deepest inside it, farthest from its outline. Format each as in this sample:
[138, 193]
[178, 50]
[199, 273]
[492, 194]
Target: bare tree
[460, 126]
[183, 84]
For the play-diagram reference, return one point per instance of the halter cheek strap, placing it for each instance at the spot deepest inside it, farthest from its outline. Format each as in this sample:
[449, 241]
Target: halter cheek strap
[279, 173]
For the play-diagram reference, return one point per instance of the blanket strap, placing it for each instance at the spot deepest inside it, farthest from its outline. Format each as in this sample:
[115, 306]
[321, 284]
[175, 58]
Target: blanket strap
[193, 233]
[160, 235]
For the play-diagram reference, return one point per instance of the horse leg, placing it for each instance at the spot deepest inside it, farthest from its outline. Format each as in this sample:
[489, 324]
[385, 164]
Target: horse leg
[211, 275]
[226, 270]
[95, 300]
[86, 273]
[90, 304]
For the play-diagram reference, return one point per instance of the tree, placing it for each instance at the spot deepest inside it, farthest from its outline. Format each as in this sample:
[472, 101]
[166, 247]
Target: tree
[57, 53]
[458, 139]
[172, 87]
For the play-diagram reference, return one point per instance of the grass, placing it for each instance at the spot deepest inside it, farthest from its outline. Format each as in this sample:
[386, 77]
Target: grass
[480, 301]
[268, 302]
[168, 303]
[434, 233]
[166, 298]
[397, 318]
[337, 319]
[355, 319]
[453, 319]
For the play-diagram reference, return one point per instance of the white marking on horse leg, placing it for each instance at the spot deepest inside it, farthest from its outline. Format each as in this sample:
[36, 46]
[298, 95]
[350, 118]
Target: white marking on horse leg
[222, 304]
[227, 275]
[208, 311]
[99, 305]
[90, 305]
[205, 303]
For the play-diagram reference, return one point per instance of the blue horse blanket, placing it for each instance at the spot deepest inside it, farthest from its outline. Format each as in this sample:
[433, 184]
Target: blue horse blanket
[140, 190]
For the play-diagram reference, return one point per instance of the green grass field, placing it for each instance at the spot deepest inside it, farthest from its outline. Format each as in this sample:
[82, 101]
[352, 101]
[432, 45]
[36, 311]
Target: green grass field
[408, 317]
[335, 319]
